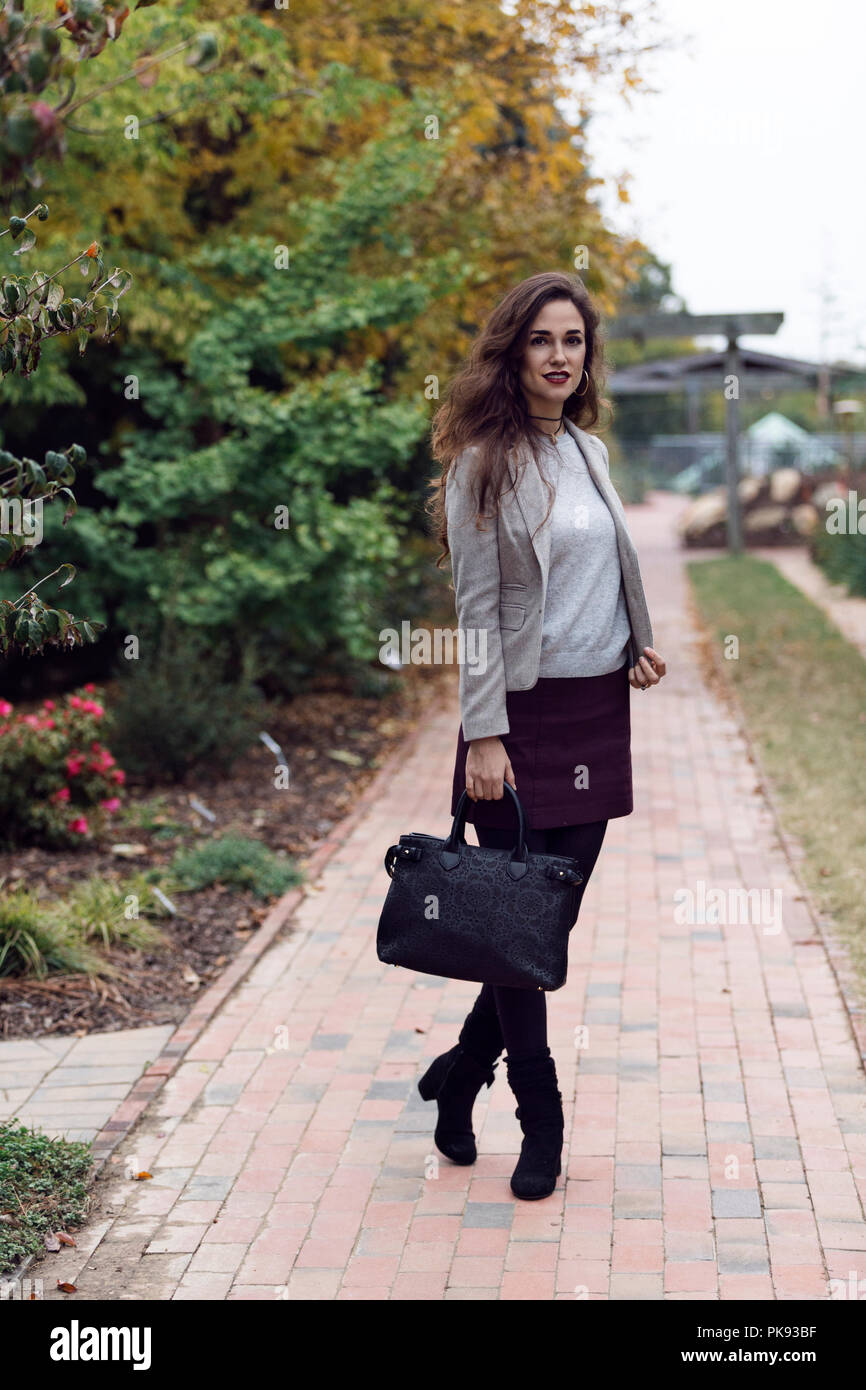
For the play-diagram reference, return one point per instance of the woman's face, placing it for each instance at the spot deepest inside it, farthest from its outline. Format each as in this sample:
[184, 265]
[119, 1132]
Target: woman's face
[552, 365]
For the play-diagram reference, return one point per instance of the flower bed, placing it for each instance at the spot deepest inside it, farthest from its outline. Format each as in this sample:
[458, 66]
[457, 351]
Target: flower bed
[58, 783]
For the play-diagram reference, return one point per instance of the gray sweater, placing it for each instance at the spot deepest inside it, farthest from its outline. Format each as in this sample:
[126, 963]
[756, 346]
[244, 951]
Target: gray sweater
[586, 628]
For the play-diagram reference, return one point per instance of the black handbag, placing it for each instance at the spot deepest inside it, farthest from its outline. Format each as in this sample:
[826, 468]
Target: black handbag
[493, 915]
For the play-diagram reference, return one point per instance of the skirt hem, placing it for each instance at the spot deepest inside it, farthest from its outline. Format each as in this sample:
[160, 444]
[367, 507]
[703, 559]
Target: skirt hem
[551, 820]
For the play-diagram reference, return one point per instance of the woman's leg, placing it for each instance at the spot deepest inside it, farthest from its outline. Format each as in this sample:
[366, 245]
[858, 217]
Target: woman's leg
[580, 842]
[523, 1016]
[523, 1012]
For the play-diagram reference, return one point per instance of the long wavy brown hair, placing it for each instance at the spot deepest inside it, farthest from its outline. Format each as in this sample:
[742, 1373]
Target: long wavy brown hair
[485, 404]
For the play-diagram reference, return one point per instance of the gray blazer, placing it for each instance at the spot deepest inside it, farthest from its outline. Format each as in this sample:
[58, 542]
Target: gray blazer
[500, 584]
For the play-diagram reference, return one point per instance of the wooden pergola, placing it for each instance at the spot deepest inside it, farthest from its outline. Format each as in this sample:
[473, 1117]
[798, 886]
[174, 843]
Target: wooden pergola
[729, 369]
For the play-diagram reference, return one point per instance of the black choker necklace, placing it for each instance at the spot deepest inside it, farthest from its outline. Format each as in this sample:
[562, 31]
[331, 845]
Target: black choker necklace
[552, 433]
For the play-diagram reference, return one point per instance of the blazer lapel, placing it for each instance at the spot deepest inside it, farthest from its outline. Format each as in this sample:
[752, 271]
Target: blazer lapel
[632, 582]
[533, 500]
[591, 451]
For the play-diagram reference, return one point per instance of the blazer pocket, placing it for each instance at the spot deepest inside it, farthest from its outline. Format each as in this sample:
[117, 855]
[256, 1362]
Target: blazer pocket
[511, 616]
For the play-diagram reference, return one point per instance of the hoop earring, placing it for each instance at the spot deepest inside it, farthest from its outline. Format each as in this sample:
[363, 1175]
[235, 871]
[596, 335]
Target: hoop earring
[586, 388]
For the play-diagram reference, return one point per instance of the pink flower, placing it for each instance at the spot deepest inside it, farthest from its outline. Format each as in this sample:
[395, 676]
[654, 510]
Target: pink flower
[49, 704]
[90, 686]
[79, 825]
[62, 794]
[5, 707]
[45, 116]
[74, 764]
[111, 803]
[31, 719]
[118, 775]
[76, 701]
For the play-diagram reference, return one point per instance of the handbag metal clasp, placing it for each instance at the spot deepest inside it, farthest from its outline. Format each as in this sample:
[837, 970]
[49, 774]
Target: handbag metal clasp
[565, 875]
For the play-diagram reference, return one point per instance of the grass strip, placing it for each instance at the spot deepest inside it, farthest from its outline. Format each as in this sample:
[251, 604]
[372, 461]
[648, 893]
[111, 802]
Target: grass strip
[802, 688]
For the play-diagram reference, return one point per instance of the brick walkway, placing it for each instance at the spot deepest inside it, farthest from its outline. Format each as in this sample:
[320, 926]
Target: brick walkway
[715, 1099]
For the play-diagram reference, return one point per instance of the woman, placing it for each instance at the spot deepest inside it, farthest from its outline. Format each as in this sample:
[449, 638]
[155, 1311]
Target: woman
[556, 596]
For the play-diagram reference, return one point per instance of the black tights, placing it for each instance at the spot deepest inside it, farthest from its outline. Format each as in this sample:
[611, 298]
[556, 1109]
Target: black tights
[522, 1013]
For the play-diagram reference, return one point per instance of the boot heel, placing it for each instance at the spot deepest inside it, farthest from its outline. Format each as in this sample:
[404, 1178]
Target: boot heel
[453, 1081]
[426, 1086]
[431, 1082]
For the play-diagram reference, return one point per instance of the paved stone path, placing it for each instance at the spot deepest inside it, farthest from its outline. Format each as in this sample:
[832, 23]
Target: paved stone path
[72, 1086]
[715, 1093]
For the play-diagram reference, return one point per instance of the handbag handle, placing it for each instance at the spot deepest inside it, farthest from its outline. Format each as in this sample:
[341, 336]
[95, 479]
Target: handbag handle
[449, 855]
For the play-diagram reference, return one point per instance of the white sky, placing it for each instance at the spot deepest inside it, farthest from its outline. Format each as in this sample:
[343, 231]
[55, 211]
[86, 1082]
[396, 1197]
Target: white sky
[748, 168]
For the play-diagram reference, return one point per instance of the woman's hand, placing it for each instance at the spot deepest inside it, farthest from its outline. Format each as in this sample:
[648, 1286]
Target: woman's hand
[487, 767]
[649, 670]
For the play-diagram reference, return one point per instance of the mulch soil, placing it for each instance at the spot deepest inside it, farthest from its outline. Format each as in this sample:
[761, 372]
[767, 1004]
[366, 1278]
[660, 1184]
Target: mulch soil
[333, 743]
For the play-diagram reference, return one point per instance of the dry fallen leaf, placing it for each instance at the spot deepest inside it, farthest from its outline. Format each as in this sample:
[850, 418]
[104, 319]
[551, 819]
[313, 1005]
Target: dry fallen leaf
[137, 1177]
[342, 755]
[65, 1287]
[64, 1238]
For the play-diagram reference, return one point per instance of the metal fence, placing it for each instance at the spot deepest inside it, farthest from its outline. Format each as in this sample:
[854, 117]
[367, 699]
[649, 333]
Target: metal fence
[658, 462]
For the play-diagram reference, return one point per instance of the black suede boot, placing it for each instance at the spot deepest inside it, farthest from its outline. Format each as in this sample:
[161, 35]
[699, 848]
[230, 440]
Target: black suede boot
[454, 1080]
[539, 1110]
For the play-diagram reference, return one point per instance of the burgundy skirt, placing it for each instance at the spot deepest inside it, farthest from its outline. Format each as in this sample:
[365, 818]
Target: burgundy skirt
[569, 742]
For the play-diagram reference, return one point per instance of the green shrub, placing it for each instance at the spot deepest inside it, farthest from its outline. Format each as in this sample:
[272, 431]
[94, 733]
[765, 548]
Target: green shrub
[36, 940]
[175, 712]
[842, 558]
[98, 907]
[150, 815]
[238, 862]
[58, 784]
[43, 1188]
